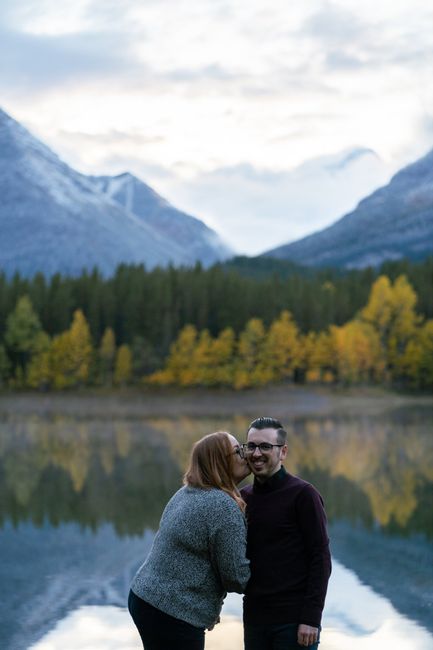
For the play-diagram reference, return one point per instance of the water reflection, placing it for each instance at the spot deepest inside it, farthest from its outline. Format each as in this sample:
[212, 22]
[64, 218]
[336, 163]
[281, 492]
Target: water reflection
[378, 471]
[80, 497]
[363, 620]
[91, 472]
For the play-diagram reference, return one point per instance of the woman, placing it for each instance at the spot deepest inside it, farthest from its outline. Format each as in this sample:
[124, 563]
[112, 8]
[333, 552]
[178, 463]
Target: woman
[198, 553]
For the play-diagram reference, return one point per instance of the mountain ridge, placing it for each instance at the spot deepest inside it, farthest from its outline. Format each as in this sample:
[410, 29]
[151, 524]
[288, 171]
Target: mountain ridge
[393, 222]
[55, 219]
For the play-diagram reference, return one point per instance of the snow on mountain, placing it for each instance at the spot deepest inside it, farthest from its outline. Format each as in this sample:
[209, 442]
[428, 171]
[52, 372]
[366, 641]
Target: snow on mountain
[134, 195]
[54, 219]
[395, 221]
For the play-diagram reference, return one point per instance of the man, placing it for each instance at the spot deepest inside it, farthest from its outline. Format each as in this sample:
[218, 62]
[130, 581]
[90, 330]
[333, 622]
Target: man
[288, 548]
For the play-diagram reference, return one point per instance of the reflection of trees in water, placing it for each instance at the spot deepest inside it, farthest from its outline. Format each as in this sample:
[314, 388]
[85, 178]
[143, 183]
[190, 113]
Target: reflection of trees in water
[372, 470]
[377, 470]
[87, 471]
[388, 460]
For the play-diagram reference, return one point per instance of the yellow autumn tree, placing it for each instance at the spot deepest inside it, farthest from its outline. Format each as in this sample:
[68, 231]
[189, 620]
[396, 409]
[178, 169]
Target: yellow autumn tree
[71, 354]
[319, 357]
[212, 359]
[178, 365]
[418, 358]
[123, 366]
[282, 353]
[250, 368]
[107, 355]
[405, 324]
[39, 368]
[222, 356]
[199, 372]
[357, 352]
[391, 312]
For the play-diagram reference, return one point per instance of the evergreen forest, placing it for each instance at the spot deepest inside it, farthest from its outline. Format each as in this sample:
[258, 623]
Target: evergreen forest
[247, 323]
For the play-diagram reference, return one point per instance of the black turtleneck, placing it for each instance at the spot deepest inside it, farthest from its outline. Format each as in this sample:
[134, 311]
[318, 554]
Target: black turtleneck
[288, 548]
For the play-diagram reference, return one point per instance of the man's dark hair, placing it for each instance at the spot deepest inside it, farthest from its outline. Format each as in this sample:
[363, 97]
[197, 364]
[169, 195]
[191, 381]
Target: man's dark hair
[270, 423]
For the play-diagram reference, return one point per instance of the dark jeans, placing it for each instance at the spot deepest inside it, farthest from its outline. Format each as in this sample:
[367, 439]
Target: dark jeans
[160, 631]
[274, 637]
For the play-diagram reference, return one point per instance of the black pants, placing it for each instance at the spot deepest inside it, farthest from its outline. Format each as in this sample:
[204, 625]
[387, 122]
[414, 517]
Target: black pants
[273, 637]
[159, 631]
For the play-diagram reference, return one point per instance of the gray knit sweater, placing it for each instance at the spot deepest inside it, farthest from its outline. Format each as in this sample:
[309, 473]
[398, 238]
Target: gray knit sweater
[198, 554]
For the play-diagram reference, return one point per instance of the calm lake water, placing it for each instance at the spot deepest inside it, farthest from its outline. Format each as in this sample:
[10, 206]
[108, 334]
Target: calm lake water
[80, 500]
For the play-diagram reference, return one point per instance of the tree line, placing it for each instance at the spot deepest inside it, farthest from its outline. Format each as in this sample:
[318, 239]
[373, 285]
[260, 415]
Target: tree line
[153, 306]
[386, 340]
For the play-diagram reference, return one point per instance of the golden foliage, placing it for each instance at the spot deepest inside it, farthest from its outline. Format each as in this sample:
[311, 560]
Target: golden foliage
[123, 366]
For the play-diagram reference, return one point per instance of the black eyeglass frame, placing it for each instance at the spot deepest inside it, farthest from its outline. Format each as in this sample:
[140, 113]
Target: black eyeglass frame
[265, 447]
[239, 451]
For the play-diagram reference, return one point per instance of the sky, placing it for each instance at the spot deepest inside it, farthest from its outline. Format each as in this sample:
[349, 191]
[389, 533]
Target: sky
[267, 119]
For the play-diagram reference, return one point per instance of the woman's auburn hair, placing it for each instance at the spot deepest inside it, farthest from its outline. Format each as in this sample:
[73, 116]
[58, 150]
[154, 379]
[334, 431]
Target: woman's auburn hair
[211, 466]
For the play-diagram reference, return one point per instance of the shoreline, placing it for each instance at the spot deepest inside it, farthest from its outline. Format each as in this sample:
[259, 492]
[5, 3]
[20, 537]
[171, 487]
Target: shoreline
[283, 402]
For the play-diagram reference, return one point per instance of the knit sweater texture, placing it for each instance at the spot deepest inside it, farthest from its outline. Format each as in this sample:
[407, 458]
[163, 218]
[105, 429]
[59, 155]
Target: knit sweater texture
[198, 554]
[288, 548]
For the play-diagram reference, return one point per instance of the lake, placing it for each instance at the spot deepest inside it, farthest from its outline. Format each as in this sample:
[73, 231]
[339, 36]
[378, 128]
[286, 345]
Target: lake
[81, 494]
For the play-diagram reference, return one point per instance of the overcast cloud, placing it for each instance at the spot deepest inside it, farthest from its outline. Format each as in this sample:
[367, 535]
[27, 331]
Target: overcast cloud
[217, 103]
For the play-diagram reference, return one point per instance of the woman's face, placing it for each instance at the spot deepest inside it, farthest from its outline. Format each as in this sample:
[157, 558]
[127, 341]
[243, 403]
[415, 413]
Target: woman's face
[240, 466]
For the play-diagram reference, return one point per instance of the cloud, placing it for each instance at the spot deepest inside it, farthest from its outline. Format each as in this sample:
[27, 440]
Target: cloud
[359, 39]
[426, 126]
[258, 209]
[183, 92]
[334, 26]
[41, 62]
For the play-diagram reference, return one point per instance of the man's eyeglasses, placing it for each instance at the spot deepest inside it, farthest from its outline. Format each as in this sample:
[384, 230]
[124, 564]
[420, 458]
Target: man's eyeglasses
[265, 447]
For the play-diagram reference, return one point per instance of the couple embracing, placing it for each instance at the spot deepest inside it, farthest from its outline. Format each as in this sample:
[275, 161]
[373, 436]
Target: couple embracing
[268, 541]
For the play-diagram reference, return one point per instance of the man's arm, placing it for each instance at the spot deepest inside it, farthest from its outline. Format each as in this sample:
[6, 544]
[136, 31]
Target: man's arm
[312, 523]
[307, 635]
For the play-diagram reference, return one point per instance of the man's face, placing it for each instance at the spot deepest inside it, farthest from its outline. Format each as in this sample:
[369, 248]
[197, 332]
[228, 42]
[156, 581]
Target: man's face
[265, 464]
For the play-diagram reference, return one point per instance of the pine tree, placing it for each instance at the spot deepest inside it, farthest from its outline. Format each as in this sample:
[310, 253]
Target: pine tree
[22, 329]
[4, 366]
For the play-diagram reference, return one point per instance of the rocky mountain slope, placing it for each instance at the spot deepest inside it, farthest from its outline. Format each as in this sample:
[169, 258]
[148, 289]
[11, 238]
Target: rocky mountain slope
[395, 221]
[54, 219]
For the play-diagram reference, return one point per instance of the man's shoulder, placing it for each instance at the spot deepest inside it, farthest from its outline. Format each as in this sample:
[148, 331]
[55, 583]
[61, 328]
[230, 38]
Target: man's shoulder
[297, 482]
[305, 492]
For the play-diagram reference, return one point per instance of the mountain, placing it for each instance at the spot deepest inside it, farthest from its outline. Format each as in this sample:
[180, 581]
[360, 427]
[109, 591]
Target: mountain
[190, 233]
[251, 204]
[395, 221]
[54, 219]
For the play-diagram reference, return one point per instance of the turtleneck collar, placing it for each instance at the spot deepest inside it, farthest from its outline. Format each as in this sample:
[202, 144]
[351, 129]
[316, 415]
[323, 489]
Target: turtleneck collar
[272, 483]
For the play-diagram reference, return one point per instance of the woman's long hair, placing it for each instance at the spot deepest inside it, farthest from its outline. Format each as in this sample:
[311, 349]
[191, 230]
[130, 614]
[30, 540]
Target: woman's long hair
[211, 466]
